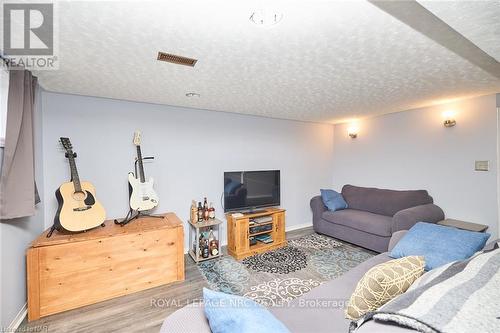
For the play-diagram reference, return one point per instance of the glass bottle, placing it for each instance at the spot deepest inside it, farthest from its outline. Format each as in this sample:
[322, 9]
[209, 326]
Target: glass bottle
[200, 212]
[193, 212]
[211, 236]
[214, 247]
[211, 212]
[201, 241]
[205, 252]
[205, 209]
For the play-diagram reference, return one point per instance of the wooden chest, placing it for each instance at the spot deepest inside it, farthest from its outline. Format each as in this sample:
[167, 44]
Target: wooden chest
[67, 271]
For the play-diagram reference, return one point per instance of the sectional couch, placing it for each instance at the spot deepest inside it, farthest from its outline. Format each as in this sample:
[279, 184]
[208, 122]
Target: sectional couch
[297, 318]
[373, 215]
[320, 310]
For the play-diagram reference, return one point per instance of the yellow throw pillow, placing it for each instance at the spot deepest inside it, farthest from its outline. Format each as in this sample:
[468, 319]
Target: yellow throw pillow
[382, 283]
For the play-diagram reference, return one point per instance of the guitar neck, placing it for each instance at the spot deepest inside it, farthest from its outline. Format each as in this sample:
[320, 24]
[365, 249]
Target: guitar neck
[74, 173]
[141, 165]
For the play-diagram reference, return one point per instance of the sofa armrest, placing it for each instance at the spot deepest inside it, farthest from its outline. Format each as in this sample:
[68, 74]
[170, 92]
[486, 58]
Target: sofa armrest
[395, 238]
[495, 244]
[406, 218]
[318, 208]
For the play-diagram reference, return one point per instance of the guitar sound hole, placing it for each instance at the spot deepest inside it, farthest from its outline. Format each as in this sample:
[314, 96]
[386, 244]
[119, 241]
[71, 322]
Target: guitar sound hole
[79, 196]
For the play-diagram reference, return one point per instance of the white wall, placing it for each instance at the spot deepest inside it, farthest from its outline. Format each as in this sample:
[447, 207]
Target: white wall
[192, 149]
[498, 158]
[413, 150]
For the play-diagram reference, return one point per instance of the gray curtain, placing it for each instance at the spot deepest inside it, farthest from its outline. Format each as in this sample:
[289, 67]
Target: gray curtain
[17, 181]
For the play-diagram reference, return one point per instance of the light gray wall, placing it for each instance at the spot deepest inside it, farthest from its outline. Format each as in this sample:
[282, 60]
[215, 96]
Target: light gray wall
[412, 150]
[498, 156]
[16, 235]
[192, 149]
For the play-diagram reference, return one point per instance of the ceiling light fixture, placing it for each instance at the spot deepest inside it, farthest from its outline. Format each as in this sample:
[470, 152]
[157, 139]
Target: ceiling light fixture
[192, 94]
[266, 17]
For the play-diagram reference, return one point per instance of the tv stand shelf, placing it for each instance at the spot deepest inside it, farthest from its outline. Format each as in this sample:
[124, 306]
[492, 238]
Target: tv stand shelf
[238, 233]
[260, 233]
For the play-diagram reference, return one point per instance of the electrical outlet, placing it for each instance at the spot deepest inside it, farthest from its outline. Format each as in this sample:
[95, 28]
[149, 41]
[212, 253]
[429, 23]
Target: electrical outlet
[482, 166]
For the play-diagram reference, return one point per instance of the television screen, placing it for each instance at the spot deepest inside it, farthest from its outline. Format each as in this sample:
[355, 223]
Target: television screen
[251, 189]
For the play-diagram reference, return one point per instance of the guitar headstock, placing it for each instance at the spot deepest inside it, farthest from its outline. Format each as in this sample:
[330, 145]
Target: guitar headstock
[137, 138]
[66, 143]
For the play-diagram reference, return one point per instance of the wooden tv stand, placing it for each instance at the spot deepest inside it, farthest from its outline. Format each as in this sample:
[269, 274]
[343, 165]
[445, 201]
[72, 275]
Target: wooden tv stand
[238, 233]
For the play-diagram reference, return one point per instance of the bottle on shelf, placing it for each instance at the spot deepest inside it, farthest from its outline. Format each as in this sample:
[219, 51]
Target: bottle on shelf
[194, 212]
[214, 247]
[201, 241]
[213, 243]
[205, 252]
[211, 211]
[205, 209]
[211, 235]
[200, 212]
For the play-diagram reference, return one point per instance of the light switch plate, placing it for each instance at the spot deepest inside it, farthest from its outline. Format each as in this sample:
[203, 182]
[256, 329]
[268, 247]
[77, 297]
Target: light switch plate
[482, 165]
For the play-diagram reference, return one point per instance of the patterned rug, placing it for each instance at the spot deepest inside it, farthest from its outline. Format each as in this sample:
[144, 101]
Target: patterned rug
[275, 277]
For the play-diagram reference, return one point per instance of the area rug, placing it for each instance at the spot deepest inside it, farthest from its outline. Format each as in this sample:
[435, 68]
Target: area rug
[278, 276]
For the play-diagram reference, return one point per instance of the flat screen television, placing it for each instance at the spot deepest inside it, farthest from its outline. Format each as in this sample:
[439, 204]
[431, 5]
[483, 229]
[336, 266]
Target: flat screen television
[248, 190]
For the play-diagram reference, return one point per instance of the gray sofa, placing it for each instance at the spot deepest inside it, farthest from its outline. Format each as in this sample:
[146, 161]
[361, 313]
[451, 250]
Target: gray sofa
[320, 310]
[296, 317]
[373, 215]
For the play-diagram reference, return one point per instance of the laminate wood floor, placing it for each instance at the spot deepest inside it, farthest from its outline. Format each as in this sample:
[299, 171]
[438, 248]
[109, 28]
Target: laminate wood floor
[139, 312]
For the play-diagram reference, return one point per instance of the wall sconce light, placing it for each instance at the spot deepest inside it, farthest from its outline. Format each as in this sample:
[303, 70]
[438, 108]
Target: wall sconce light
[449, 119]
[352, 131]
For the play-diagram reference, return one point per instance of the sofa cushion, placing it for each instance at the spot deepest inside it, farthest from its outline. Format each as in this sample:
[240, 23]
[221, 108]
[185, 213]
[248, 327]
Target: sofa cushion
[439, 244]
[227, 313]
[361, 220]
[333, 200]
[382, 283]
[384, 202]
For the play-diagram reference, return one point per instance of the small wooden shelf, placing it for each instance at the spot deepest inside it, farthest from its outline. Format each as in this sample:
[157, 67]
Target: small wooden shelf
[238, 233]
[200, 259]
[463, 225]
[260, 245]
[205, 224]
[261, 233]
[259, 224]
[194, 234]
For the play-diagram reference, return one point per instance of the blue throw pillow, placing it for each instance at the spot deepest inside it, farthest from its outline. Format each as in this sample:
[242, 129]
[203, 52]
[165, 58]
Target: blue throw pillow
[333, 200]
[228, 313]
[439, 244]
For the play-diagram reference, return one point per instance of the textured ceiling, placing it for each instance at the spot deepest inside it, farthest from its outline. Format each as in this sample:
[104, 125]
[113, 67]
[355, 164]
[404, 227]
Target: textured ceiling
[478, 21]
[326, 61]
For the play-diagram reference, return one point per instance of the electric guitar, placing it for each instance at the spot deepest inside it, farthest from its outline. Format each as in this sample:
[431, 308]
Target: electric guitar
[78, 208]
[142, 195]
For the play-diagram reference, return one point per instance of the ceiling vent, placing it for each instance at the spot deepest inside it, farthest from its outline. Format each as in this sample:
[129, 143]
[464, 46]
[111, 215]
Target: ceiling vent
[175, 59]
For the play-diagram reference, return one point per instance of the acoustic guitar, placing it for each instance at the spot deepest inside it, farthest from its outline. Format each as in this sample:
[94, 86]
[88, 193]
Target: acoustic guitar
[142, 194]
[78, 208]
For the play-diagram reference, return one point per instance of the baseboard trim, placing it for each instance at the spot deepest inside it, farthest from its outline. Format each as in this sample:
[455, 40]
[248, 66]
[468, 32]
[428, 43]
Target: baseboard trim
[298, 226]
[14, 325]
